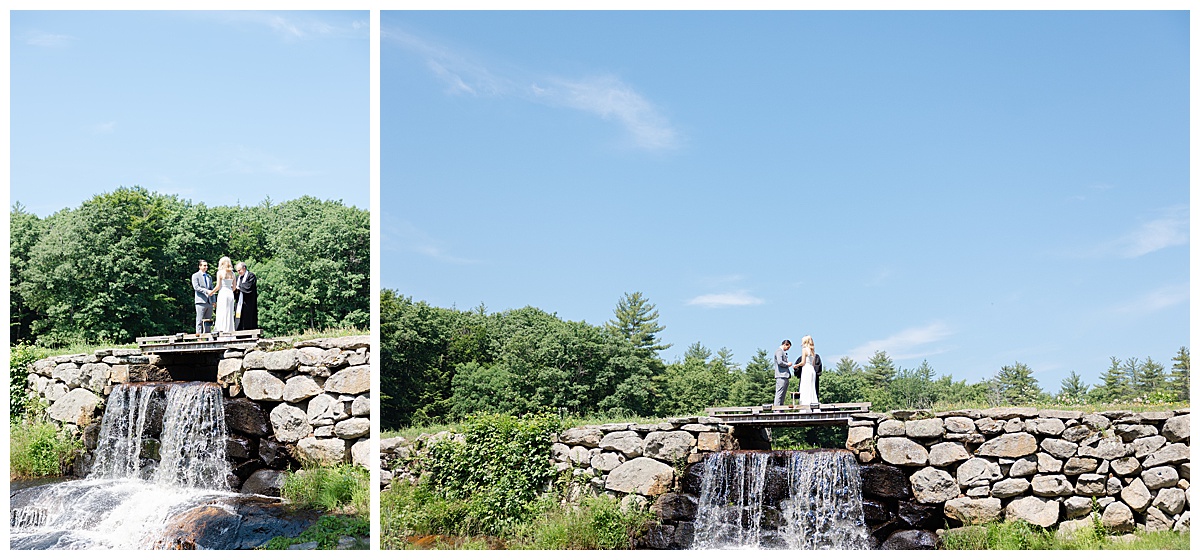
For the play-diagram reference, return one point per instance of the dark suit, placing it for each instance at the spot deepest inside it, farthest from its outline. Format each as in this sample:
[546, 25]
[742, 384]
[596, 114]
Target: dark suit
[247, 304]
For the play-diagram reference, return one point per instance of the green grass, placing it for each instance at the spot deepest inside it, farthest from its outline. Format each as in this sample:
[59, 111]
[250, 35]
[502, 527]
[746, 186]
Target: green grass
[37, 448]
[327, 532]
[342, 489]
[1019, 535]
[310, 334]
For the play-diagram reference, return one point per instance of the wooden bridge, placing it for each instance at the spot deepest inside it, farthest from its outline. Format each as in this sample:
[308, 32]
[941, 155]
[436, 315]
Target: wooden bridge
[207, 342]
[793, 415]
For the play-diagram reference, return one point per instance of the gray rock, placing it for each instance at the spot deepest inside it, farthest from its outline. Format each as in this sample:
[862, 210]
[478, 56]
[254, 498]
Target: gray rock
[76, 407]
[1045, 426]
[352, 428]
[1076, 433]
[989, 426]
[283, 360]
[260, 385]
[1113, 486]
[353, 380]
[1154, 416]
[928, 428]
[669, 446]
[859, 438]
[1011, 412]
[1142, 447]
[1091, 485]
[1067, 529]
[902, 451]
[588, 436]
[300, 387]
[1096, 422]
[56, 391]
[1173, 453]
[330, 451]
[267, 482]
[978, 492]
[580, 455]
[1107, 448]
[361, 406]
[973, 511]
[94, 377]
[1012, 445]
[628, 443]
[360, 453]
[932, 486]
[1037, 511]
[977, 470]
[289, 423]
[641, 475]
[321, 408]
[1014, 425]
[891, 428]
[255, 359]
[946, 453]
[1060, 414]
[1130, 432]
[1184, 523]
[1157, 520]
[1170, 500]
[1010, 487]
[1125, 466]
[694, 428]
[1117, 518]
[1160, 477]
[1025, 466]
[959, 425]
[1059, 448]
[1076, 507]
[1136, 495]
[1178, 428]
[560, 452]
[1078, 465]
[228, 371]
[68, 373]
[605, 462]
[1051, 485]
[1048, 464]
[911, 539]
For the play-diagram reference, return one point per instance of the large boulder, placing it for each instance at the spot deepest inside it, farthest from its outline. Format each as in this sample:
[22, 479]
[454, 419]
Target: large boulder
[1160, 477]
[300, 387]
[627, 442]
[247, 417]
[1037, 511]
[973, 511]
[267, 482]
[930, 485]
[1117, 518]
[642, 476]
[228, 371]
[1173, 453]
[947, 453]
[290, 423]
[1170, 500]
[260, 385]
[924, 429]
[976, 471]
[884, 481]
[1012, 445]
[902, 451]
[322, 451]
[1108, 448]
[283, 360]
[911, 539]
[322, 409]
[353, 380]
[1178, 428]
[76, 407]
[669, 446]
[1136, 495]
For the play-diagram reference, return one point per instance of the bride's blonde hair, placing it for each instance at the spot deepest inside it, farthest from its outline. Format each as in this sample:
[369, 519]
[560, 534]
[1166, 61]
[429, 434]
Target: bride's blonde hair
[807, 342]
[225, 264]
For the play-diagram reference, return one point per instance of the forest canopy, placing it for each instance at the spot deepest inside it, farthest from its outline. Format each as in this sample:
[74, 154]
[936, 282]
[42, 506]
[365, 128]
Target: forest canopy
[119, 266]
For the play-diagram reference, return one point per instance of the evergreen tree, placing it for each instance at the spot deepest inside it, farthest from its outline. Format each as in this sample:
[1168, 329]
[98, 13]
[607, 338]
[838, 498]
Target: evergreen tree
[1073, 389]
[1113, 385]
[1179, 382]
[756, 384]
[880, 369]
[845, 383]
[1017, 385]
[636, 320]
[723, 362]
[1151, 377]
[1133, 374]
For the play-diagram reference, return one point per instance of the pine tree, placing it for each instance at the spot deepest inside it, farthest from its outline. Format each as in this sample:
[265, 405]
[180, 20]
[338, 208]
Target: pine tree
[1017, 385]
[880, 369]
[1113, 383]
[1073, 389]
[1151, 377]
[1133, 375]
[723, 362]
[637, 321]
[1179, 382]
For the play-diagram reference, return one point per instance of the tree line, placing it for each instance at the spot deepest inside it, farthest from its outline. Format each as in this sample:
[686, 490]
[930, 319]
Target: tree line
[119, 266]
[441, 365]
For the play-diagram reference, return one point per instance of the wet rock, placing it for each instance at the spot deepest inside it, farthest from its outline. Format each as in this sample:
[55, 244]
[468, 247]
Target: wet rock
[884, 481]
[659, 537]
[266, 482]
[674, 507]
[912, 539]
[91, 435]
[273, 454]
[973, 511]
[685, 533]
[875, 512]
[239, 447]
[920, 516]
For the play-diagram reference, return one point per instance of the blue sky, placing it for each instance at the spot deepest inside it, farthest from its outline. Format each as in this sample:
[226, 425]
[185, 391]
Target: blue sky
[217, 107]
[967, 188]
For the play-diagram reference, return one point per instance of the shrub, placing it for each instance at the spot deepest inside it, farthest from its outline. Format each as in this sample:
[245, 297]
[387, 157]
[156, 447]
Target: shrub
[598, 523]
[18, 373]
[36, 447]
[343, 489]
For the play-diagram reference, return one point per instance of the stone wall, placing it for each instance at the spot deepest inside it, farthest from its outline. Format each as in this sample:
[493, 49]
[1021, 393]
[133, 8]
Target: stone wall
[1054, 469]
[284, 402]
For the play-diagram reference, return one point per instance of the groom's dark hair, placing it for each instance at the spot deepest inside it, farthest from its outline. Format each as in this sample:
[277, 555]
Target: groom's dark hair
[785, 341]
[202, 261]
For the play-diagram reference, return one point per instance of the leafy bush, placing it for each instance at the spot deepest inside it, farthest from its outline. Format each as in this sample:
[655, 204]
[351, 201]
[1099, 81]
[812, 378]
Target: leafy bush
[344, 489]
[18, 372]
[36, 447]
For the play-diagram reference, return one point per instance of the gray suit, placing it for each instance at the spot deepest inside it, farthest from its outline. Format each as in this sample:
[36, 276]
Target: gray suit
[782, 373]
[201, 284]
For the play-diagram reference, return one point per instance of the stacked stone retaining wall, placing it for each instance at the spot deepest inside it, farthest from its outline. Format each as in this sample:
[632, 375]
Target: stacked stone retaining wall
[285, 403]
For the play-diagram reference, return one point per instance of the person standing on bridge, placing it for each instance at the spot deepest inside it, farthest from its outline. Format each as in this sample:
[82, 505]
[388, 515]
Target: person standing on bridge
[783, 372]
[809, 366]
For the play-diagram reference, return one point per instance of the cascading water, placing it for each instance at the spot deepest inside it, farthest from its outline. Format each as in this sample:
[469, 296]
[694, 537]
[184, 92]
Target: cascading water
[780, 500]
[129, 497]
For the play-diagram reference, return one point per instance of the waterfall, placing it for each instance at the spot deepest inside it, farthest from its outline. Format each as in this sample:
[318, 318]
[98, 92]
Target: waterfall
[161, 454]
[780, 500]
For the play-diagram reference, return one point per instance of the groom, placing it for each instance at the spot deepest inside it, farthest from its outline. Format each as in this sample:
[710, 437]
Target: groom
[247, 294]
[202, 285]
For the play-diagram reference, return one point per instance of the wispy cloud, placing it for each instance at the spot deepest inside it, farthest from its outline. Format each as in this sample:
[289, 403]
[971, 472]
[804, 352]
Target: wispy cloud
[291, 26]
[906, 344]
[1168, 229]
[1162, 298]
[603, 95]
[404, 236]
[104, 127]
[246, 161]
[728, 299]
[48, 40]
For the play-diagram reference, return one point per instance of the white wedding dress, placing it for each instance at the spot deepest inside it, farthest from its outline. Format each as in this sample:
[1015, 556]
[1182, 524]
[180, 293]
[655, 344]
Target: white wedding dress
[808, 383]
[225, 321]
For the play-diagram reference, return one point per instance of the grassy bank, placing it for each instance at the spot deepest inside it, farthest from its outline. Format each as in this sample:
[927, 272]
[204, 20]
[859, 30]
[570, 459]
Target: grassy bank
[343, 493]
[1019, 535]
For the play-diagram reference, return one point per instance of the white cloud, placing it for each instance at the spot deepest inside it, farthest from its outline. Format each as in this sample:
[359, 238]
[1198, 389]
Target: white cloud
[404, 236]
[604, 96]
[104, 127]
[906, 344]
[50, 40]
[292, 26]
[1162, 298]
[728, 299]
[245, 161]
[1167, 230]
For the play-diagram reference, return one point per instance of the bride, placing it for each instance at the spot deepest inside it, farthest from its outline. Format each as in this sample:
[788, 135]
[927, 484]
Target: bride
[225, 279]
[808, 373]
